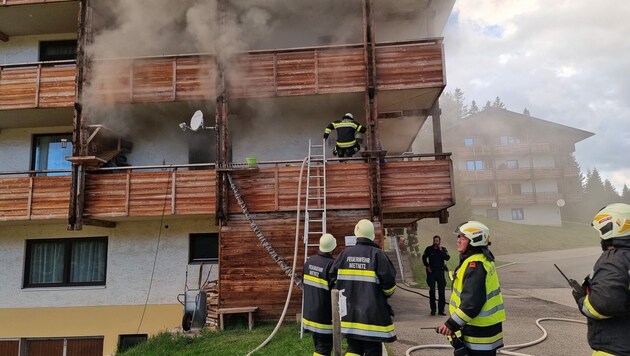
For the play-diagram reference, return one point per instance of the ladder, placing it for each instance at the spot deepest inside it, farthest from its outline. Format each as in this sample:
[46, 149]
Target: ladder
[314, 202]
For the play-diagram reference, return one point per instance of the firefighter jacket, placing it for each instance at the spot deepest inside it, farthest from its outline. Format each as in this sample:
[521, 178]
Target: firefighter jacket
[434, 258]
[607, 306]
[317, 310]
[365, 277]
[476, 305]
[346, 130]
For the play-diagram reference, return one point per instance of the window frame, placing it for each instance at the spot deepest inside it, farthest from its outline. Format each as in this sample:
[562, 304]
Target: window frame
[67, 260]
[469, 141]
[514, 163]
[36, 159]
[60, 44]
[476, 163]
[191, 253]
[520, 214]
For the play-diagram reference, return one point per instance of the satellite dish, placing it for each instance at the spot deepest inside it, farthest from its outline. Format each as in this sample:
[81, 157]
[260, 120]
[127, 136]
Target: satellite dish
[494, 204]
[561, 203]
[196, 122]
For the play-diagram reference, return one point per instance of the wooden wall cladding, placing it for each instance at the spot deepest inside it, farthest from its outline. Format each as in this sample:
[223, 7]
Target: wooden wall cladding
[417, 185]
[37, 86]
[30, 198]
[250, 277]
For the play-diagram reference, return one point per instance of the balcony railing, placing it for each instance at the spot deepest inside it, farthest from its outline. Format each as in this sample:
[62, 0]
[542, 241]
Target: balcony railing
[477, 175]
[37, 85]
[286, 72]
[511, 149]
[547, 173]
[25, 2]
[422, 185]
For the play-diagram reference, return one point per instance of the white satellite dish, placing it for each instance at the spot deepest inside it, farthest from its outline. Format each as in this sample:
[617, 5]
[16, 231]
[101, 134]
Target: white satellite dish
[196, 122]
[561, 202]
[494, 204]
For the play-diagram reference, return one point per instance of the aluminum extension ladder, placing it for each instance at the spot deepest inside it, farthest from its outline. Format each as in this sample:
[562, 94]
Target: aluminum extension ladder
[314, 202]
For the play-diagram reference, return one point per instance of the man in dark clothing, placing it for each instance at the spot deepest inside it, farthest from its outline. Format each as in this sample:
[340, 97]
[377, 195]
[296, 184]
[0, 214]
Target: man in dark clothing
[606, 300]
[365, 278]
[433, 258]
[346, 145]
[317, 306]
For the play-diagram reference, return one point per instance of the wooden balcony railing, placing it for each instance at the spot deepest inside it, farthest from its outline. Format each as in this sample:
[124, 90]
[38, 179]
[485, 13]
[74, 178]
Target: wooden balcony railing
[37, 85]
[516, 174]
[477, 175]
[512, 149]
[25, 2]
[287, 72]
[547, 173]
[423, 185]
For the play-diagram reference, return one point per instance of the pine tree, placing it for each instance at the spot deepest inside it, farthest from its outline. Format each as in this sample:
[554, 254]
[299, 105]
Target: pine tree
[473, 108]
[594, 192]
[625, 194]
[498, 103]
[526, 112]
[610, 192]
[488, 105]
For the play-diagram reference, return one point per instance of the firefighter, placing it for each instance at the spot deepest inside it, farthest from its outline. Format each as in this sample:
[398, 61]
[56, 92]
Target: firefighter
[365, 278]
[346, 145]
[317, 309]
[476, 305]
[606, 301]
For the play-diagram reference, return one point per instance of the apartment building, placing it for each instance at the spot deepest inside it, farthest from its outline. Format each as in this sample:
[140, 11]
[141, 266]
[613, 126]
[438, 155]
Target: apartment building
[109, 209]
[516, 167]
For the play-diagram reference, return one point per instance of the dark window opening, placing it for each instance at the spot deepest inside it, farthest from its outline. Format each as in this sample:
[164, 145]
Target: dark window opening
[57, 50]
[125, 342]
[204, 247]
[65, 262]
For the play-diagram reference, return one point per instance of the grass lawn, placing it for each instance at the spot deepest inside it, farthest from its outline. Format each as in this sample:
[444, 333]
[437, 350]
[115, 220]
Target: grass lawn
[234, 341]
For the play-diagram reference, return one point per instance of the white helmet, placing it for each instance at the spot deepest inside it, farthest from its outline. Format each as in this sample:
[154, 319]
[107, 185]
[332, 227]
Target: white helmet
[327, 243]
[364, 228]
[348, 115]
[613, 221]
[476, 232]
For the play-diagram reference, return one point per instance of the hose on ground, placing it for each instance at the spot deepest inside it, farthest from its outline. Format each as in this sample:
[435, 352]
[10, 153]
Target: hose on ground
[410, 290]
[504, 350]
[295, 253]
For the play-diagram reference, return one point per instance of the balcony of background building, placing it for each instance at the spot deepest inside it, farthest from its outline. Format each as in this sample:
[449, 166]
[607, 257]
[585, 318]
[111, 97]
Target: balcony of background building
[507, 149]
[516, 199]
[485, 200]
[476, 175]
[25, 2]
[423, 185]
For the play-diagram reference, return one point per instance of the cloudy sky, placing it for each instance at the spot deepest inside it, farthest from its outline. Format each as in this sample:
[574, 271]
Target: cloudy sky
[566, 61]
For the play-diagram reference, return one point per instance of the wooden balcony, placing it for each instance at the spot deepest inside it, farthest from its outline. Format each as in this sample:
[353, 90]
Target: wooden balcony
[478, 175]
[37, 85]
[512, 149]
[29, 2]
[258, 74]
[514, 174]
[518, 199]
[547, 173]
[415, 186]
[485, 200]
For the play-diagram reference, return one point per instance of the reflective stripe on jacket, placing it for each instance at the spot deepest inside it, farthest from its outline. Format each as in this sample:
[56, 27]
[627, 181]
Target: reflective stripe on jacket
[346, 131]
[365, 277]
[317, 312]
[476, 305]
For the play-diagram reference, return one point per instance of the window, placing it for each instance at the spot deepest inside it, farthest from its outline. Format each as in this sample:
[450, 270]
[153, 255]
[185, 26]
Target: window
[84, 346]
[515, 189]
[512, 164]
[468, 141]
[509, 140]
[477, 165]
[481, 189]
[204, 247]
[517, 214]
[50, 152]
[125, 342]
[65, 262]
[57, 50]
[492, 213]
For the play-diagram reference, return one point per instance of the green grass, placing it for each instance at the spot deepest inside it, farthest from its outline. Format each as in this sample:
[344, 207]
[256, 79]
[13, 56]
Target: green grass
[235, 341]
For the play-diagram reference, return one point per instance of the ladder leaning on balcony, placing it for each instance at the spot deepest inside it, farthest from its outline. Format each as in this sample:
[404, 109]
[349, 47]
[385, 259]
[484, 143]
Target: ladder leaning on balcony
[315, 200]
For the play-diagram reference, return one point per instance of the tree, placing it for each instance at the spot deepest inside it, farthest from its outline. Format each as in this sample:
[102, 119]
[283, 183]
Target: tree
[488, 105]
[498, 103]
[610, 192]
[594, 192]
[625, 194]
[473, 108]
[526, 112]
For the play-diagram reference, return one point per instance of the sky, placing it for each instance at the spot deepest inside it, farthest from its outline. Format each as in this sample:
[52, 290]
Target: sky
[566, 61]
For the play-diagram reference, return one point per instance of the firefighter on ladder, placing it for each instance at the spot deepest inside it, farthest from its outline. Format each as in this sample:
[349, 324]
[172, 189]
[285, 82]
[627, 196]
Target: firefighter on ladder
[605, 300]
[347, 128]
[317, 313]
[366, 279]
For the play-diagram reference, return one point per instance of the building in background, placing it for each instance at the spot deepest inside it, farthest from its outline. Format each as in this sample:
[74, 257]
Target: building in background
[106, 205]
[515, 167]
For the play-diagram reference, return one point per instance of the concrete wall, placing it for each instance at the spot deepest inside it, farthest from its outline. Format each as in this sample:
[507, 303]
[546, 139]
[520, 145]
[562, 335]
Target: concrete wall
[533, 215]
[25, 49]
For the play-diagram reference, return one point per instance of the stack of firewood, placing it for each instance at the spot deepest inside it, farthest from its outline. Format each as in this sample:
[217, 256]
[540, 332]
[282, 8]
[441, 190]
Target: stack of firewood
[212, 303]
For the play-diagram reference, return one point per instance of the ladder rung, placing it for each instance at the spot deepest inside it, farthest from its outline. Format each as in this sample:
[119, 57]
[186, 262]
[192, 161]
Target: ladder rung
[313, 245]
[315, 198]
[315, 220]
[315, 233]
[317, 176]
[316, 186]
[317, 145]
[316, 209]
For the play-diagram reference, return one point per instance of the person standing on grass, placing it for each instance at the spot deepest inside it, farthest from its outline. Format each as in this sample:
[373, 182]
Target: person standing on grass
[317, 308]
[434, 258]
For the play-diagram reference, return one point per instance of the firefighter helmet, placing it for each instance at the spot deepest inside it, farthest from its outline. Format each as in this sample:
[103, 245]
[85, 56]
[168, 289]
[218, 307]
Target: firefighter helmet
[476, 232]
[327, 243]
[348, 116]
[612, 221]
[364, 228]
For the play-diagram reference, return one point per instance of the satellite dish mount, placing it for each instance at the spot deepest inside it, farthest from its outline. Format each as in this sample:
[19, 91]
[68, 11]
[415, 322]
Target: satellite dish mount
[196, 123]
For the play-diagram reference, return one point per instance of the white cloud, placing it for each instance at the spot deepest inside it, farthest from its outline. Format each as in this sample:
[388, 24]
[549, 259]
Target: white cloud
[566, 61]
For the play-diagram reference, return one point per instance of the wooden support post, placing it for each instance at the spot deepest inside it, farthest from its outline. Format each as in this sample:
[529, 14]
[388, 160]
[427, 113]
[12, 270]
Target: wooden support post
[437, 129]
[336, 320]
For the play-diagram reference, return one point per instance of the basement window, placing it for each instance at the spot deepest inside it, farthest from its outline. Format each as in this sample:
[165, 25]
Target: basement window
[204, 247]
[65, 262]
[126, 342]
